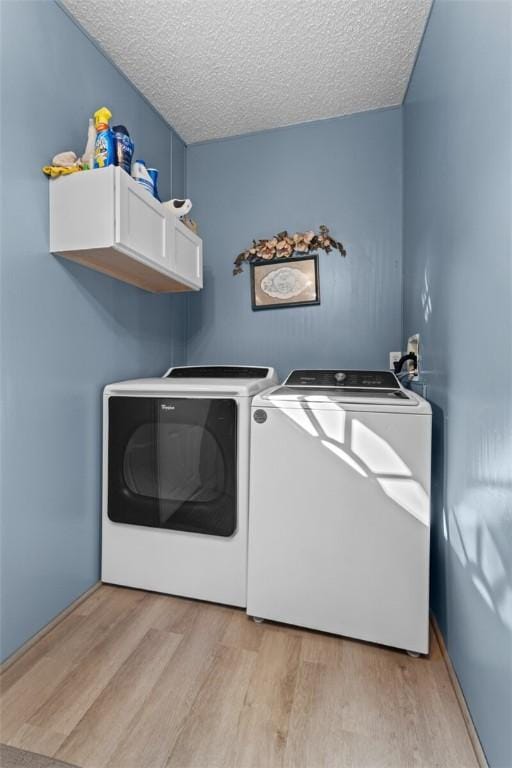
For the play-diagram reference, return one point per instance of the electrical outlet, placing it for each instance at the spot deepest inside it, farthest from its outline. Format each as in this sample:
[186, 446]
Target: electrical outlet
[413, 345]
[394, 357]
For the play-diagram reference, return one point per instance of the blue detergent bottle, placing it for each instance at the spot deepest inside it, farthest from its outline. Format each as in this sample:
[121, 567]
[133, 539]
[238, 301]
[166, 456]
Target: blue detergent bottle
[123, 147]
[104, 147]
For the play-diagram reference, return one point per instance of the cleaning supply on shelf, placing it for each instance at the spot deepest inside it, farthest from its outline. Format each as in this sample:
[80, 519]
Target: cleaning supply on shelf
[123, 148]
[141, 175]
[153, 172]
[52, 171]
[65, 159]
[104, 147]
[62, 164]
[88, 155]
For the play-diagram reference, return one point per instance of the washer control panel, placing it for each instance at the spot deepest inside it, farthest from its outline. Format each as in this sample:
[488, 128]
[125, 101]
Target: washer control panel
[350, 379]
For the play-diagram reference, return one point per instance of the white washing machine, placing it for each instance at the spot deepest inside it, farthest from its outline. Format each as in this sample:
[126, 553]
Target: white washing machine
[339, 520]
[175, 481]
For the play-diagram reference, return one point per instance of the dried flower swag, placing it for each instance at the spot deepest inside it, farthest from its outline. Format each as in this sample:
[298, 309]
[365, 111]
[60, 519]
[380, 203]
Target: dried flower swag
[283, 246]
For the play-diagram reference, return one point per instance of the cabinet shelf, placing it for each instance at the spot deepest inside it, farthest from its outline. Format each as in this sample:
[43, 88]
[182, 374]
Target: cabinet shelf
[105, 220]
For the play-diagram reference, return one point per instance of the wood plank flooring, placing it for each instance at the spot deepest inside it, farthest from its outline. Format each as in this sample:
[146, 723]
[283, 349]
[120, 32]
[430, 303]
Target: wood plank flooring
[132, 679]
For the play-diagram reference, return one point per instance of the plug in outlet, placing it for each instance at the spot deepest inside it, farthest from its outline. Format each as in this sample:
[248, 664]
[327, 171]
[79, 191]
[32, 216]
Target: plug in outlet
[394, 357]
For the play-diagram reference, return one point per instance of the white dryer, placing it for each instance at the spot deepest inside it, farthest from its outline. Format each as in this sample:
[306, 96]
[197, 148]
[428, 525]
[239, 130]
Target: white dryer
[340, 507]
[175, 481]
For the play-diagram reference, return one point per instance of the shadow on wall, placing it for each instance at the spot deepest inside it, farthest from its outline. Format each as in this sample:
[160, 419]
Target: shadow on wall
[200, 314]
[485, 556]
[144, 324]
[480, 574]
[471, 573]
[467, 529]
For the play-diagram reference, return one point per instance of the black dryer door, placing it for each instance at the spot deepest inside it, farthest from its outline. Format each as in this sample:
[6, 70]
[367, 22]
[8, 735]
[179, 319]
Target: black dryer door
[172, 463]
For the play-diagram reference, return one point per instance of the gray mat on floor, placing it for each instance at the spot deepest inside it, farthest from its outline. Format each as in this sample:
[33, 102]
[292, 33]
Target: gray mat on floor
[11, 757]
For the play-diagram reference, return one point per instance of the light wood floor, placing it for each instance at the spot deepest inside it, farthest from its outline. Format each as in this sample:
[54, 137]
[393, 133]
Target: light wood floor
[137, 680]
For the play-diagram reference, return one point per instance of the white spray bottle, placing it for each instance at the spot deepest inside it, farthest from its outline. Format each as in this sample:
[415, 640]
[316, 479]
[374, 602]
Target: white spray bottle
[88, 155]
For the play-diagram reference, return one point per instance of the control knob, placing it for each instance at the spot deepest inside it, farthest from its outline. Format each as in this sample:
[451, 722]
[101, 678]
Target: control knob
[340, 377]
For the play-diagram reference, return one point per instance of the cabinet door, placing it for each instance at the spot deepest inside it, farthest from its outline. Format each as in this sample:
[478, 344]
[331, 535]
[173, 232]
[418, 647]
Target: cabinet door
[140, 227]
[185, 253]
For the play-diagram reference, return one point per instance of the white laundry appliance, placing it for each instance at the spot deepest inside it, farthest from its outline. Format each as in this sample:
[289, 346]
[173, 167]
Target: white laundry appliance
[175, 481]
[339, 520]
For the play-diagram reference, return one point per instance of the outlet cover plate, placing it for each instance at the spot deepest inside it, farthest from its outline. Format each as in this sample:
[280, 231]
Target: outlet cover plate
[413, 345]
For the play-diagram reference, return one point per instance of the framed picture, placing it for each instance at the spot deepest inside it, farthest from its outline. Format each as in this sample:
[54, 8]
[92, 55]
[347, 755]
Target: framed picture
[283, 283]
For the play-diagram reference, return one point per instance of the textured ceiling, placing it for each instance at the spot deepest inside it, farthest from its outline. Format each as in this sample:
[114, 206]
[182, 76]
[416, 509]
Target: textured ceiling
[217, 68]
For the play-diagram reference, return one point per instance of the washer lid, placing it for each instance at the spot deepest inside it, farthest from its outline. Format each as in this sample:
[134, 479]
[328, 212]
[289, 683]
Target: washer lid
[392, 397]
[224, 380]
[370, 390]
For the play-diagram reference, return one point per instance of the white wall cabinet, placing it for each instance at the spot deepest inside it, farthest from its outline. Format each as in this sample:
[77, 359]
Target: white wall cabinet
[105, 220]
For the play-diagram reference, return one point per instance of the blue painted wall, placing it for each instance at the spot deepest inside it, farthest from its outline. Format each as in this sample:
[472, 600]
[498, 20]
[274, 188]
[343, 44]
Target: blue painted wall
[345, 173]
[65, 330]
[458, 295]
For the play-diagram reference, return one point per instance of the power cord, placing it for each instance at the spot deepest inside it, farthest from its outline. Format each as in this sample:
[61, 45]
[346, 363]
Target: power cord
[400, 363]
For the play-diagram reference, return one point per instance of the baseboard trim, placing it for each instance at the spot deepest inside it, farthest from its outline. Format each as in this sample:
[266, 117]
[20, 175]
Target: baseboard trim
[466, 714]
[47, 628]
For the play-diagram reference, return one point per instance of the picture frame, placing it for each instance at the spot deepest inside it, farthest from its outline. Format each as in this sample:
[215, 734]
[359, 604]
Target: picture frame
[287, 282]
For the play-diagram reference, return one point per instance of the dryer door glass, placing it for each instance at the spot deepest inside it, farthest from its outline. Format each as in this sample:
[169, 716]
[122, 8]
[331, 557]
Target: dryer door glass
[172, 463]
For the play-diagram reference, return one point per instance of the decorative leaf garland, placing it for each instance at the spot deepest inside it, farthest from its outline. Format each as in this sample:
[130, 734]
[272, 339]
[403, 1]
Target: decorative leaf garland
[283, 246]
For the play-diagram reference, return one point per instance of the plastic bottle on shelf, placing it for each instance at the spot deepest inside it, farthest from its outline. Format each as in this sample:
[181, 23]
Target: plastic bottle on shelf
[141, 175]
[88, 155]
[153, 172]
[123, 147]
[104, 147]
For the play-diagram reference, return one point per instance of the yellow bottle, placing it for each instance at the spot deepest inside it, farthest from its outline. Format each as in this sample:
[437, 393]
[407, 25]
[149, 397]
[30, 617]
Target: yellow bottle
[104, 147]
